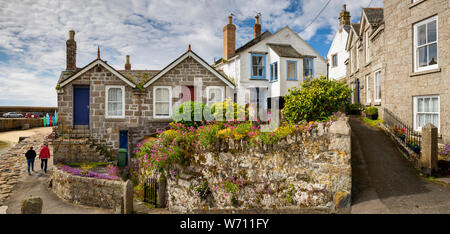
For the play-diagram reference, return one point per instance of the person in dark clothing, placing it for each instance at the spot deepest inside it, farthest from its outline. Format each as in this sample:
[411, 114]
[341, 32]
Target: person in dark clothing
[30, 155]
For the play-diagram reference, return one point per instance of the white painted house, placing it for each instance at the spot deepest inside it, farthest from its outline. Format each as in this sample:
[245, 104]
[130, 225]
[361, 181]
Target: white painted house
[271, 63]
[337, 54]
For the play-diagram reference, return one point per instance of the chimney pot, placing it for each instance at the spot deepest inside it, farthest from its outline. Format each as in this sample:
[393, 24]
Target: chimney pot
[229, 38]
[127, 64]
[256, 27]
[71, 52]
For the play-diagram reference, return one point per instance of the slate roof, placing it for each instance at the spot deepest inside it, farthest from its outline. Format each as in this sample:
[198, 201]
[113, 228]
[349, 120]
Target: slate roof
[139, 76]
[285, 50]
[346, 28]
[251, 43]
[374, 15]
[356, 26]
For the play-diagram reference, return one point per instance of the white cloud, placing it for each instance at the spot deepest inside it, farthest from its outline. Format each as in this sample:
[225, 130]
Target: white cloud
[154, 32]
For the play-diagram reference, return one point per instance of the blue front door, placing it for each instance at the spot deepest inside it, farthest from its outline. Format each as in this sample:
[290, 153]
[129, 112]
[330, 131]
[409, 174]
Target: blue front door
[81, 105]
[123, 142]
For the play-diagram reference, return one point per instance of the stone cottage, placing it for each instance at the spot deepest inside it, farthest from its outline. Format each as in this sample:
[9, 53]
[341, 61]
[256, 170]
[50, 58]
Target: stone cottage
[365, 68]
[120, 107]
[399, 60]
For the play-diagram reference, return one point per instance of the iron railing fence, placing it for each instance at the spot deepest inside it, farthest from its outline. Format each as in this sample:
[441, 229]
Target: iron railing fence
[404, 132]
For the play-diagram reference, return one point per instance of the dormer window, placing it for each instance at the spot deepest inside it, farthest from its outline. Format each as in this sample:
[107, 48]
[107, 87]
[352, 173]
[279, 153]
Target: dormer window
[258, 68]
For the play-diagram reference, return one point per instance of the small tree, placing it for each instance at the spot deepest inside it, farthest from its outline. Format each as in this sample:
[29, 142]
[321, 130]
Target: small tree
[316, 100]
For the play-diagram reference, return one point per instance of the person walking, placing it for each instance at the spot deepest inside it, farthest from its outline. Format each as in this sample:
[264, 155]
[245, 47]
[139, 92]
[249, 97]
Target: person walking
[44, 155]
[30, 155]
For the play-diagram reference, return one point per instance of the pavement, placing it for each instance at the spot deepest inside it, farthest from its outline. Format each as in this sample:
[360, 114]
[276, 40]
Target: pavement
[384, 182]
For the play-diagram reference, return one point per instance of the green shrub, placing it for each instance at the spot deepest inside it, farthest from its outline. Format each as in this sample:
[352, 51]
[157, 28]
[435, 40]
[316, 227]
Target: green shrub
[229, 110]
[316, 100]
[371, 110]
[193, 109]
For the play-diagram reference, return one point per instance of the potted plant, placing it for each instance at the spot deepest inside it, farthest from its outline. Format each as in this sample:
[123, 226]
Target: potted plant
[400, 133]
[371, 112]
[413, 145]
[355, 109]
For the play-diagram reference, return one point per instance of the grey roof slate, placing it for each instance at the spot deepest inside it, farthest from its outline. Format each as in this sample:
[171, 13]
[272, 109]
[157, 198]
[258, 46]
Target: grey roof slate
[285, 50]
[374, 15]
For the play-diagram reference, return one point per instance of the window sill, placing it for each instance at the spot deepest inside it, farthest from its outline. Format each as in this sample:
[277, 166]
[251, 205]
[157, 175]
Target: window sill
[425, 72]
[292, 79]
[115, 119]
[411, 5]
[377, 103]
[258, 79]
[273, 81]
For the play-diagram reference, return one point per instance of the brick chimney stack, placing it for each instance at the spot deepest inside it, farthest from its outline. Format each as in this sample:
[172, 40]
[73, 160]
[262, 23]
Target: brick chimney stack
[229, 38]
[71, 52]
[128, 65]
[344, 17]
[256, 27]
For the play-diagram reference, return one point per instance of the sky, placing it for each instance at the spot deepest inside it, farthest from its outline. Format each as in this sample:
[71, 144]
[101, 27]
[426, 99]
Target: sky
[154, 33]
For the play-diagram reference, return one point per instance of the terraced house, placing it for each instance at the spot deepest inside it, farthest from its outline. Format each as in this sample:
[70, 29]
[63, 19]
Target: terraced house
[399, 60]
[117, 107]
[267, 66]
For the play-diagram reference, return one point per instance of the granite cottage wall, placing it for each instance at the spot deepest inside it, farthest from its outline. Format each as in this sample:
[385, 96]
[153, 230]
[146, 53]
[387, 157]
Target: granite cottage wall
[310, 172]
[87, 191]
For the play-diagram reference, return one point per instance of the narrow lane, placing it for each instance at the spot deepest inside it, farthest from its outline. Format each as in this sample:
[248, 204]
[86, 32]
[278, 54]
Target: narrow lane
[384, 182]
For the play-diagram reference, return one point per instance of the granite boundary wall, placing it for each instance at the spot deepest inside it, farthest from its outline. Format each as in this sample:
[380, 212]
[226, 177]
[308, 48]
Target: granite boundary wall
[306, 173]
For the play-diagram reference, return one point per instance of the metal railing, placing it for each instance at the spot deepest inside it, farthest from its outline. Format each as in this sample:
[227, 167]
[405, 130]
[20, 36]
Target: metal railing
[404, 132]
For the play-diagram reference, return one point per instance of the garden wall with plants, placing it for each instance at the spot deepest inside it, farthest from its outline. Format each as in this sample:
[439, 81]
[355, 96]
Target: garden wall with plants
[308, 169]
[87, 187]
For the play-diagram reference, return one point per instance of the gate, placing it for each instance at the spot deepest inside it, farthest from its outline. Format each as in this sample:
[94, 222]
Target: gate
[151, 191]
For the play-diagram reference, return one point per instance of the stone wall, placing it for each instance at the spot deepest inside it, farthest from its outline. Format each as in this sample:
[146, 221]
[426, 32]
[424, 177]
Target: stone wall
[76, 151]
[401, 84]
[87, 191]
[7, 124]
[308, 172]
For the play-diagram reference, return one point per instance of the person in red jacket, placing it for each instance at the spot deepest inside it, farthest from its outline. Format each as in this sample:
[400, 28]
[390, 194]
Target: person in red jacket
[44, 155]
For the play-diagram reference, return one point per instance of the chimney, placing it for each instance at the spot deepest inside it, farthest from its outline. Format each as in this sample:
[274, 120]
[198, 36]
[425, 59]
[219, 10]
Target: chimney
[128, 65]
[256, 27]
[229, 38]
[344, 17]
[71, 52]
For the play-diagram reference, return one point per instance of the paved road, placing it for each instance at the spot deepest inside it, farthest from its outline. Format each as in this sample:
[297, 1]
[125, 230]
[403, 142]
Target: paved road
[383, 181]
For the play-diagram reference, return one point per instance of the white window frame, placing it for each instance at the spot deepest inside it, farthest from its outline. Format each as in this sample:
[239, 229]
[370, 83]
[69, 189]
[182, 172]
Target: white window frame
[415, 30]
[106, 101]
[377, 100]
[208, 94]
[415, 111]
[154, 102]
[368, 92]
[368, 55]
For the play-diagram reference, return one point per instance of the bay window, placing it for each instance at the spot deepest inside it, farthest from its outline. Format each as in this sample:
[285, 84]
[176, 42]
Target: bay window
[115, 102]
[162, 102]
[308, 68]
[426, 44]
[291, 70]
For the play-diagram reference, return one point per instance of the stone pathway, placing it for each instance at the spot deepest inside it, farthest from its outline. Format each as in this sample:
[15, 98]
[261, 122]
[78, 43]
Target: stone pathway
[384, 182]
[16, 184]
[13, 164]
